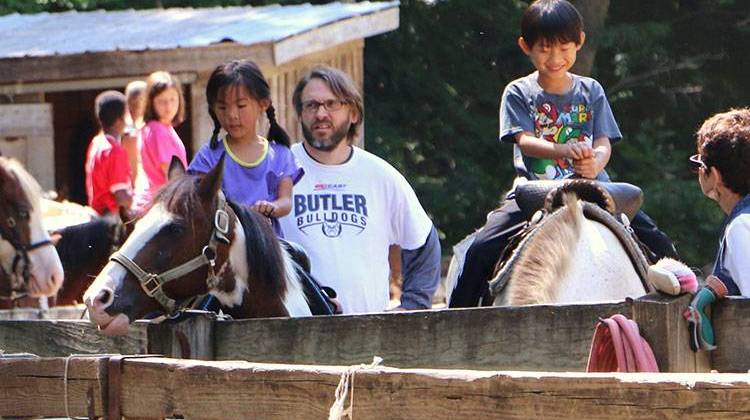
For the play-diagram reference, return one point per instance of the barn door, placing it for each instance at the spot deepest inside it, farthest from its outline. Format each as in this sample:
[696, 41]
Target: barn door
[26, 134]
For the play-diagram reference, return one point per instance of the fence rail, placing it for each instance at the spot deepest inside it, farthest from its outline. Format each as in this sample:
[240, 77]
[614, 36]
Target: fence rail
[154, 387]
[534, 338]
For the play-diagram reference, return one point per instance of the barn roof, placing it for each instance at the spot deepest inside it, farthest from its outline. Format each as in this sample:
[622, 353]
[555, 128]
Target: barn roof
[55, 34]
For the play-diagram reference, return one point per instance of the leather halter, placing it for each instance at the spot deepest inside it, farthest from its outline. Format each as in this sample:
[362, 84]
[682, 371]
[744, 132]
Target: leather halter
[153, 284]
[18, 288]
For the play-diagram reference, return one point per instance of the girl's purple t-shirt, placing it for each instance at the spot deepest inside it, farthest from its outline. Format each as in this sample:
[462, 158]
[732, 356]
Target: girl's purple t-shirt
[247, 185]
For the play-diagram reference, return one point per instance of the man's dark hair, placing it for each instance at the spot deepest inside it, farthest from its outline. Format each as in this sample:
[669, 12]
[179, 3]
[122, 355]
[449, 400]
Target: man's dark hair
[724, 143]
[110, 106]
[551, 21]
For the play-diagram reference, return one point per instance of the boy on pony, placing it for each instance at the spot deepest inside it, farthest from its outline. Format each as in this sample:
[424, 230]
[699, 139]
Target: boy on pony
[560, 125]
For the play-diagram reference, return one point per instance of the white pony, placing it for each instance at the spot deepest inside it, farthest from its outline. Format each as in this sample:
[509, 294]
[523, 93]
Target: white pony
[568, 258]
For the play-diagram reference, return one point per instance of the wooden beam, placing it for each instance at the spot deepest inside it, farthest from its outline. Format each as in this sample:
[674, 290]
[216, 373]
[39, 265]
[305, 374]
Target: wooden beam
[239, 390]
[551, 338]
[61, 338]
[731, 322]
[661, 323]
[55, 312]
[120, 64]
[327, 36]
[23, 88]
[40, 387]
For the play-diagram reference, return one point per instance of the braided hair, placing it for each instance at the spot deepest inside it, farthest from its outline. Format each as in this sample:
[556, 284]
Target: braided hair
[243, 73]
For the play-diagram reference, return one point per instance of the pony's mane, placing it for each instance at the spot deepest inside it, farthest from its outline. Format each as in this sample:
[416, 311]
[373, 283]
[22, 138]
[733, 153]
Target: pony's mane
[180, 197]
[547, 256]
[265, 257]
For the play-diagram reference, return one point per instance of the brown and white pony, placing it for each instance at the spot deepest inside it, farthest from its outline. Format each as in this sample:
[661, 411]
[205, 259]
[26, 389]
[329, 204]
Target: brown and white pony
[192, 242]
[29, 264]
[569, 258]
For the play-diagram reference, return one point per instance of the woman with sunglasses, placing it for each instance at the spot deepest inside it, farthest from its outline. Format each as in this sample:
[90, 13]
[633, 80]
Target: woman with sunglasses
[723, 168]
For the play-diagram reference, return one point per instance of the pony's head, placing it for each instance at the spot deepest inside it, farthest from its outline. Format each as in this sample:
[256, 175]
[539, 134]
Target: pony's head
[29, 263]
[191, 242]
[174, 239]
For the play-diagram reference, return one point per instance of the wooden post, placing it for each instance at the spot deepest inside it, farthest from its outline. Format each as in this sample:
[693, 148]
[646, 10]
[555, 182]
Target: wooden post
[661, 323]
[731, 322]
[191, 336]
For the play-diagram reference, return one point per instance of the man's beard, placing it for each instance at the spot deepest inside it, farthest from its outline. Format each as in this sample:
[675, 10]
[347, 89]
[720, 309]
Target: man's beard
[326, 145]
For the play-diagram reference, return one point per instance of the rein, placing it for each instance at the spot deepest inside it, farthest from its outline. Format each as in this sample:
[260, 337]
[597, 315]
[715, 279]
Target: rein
[152, 284]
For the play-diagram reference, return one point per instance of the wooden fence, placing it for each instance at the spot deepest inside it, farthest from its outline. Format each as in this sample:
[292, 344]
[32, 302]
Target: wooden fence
[533, 338]
[153, 387]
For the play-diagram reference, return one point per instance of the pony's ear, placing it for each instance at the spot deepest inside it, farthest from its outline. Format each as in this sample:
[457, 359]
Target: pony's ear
[211, 182]
[175, 168]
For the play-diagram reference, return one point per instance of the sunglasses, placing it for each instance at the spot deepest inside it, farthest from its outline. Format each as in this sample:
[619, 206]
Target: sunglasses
[696, 163]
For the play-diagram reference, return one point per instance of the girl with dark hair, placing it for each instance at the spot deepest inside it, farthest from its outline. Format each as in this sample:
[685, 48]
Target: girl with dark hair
[260, 171]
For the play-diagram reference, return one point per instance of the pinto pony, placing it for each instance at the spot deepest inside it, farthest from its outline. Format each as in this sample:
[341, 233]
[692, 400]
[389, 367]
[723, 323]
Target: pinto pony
[29, 264]
[190, 242]
[577, 252]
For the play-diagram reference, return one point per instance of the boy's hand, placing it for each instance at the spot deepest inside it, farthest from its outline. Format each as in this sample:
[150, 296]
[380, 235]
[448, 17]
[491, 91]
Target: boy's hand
[578, 151]
[264, 207]
[588, 167]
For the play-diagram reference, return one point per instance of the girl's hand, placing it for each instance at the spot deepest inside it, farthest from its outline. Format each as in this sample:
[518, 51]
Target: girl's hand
[265, 208]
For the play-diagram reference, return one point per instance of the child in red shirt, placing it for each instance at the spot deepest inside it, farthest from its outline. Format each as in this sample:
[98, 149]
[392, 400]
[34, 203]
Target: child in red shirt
[108, 178]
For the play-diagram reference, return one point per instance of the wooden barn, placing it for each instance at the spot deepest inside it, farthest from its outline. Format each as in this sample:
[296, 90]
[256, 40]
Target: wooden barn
[52, 66]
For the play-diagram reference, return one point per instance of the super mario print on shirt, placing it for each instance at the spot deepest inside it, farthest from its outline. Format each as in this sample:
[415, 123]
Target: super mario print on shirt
[580, 115]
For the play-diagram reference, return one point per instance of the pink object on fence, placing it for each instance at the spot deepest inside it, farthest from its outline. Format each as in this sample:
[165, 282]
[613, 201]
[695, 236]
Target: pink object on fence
[617, 346]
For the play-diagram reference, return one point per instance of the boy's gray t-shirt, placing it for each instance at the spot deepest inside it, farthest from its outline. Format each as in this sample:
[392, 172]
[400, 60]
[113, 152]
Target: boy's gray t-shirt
[581, 114]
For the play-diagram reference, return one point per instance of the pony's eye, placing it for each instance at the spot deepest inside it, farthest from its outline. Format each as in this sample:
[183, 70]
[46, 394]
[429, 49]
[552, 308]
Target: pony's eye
[175, 228]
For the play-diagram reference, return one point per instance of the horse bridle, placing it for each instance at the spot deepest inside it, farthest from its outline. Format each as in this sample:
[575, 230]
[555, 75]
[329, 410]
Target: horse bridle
[153, 284]
[8, 233]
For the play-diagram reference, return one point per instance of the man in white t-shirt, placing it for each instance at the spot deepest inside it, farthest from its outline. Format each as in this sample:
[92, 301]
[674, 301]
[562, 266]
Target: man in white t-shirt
[350, 205]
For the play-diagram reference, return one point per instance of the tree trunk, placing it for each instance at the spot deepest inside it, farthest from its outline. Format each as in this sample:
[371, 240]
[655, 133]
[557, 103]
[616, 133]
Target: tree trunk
[594, 14]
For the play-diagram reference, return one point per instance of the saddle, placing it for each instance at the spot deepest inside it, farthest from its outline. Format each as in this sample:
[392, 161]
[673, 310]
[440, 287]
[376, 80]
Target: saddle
[600, 212]
[615, 197]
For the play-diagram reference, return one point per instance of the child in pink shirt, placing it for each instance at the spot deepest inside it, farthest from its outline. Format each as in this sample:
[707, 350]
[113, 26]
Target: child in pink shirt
[165, 109]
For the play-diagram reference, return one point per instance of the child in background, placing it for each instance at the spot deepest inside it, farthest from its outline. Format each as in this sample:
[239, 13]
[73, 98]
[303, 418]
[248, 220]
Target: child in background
[165, 109]
[560, 125]
[258, 172]
[135, 93]
[108, 178]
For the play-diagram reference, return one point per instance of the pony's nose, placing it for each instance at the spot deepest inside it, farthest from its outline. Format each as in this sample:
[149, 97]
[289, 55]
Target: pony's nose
[102, 300]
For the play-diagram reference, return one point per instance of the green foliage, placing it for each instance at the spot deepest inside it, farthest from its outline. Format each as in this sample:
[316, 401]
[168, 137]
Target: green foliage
[432, 103]
[433, 91]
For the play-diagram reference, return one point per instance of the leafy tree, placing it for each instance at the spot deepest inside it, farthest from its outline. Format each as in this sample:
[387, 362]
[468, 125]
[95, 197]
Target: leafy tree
[433, 89]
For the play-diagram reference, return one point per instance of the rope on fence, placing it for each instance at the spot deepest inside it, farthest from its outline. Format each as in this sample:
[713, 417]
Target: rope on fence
[65, 384]
[346, 386]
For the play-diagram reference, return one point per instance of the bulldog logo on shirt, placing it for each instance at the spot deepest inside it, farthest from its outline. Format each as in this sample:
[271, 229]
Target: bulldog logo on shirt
[334, 213]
